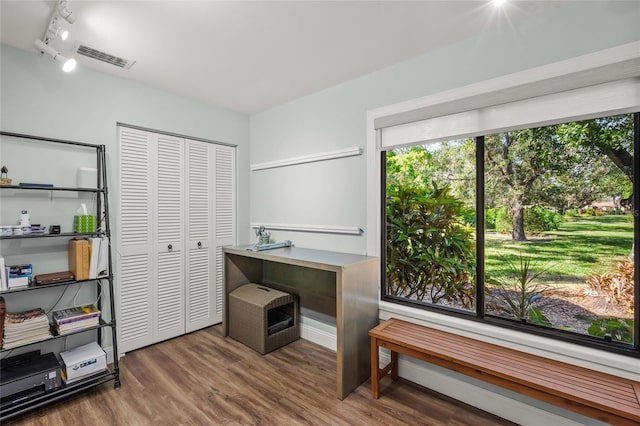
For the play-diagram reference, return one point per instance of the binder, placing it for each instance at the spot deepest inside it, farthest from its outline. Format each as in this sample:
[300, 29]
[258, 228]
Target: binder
[103, 258]
[79, 259]
[4, 278]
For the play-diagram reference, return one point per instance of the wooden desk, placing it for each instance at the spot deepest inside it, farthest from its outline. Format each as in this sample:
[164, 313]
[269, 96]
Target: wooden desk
[344, 286]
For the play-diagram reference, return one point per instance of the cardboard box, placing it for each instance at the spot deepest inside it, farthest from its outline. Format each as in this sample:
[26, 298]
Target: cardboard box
[83, 361]
[79, 259]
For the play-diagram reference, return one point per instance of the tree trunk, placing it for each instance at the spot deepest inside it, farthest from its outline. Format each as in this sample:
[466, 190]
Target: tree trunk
[517, 234]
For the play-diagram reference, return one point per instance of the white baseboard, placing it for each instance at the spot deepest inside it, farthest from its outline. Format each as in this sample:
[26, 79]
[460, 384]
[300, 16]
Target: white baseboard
[320, 337]
[492, 399]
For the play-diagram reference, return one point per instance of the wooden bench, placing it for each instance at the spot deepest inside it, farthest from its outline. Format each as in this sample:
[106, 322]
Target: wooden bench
[598, 395]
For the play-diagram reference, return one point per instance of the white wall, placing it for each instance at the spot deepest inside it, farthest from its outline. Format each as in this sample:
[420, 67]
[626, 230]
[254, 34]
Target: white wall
[333, 192]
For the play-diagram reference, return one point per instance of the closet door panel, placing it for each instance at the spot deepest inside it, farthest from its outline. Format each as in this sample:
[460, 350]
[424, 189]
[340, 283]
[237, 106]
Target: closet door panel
[199, 184]
[200, 308]
[200, 290]
[170, 242]
[169, 311]
[135, 199]
[225, 214]
[225, 195]
[219, 286]
[136, 303]
[134, 271]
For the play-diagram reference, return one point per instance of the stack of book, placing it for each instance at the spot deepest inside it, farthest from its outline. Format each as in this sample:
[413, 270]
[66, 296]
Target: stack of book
[76, 318]
[25, 327]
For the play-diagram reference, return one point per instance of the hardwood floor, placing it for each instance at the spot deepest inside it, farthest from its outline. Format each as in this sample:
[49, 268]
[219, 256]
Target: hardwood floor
[206, 379]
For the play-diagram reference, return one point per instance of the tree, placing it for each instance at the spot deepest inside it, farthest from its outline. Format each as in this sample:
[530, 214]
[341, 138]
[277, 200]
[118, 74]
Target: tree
[408, 167]
[454, 165]
[613, 137]
[588, 176]
[515, 161]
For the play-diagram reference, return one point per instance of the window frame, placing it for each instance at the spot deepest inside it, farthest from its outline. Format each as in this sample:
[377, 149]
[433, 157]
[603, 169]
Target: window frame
[622, 62]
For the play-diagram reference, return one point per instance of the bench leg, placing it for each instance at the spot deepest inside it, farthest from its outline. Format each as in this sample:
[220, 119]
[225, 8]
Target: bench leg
[375, 371]
[394, 365]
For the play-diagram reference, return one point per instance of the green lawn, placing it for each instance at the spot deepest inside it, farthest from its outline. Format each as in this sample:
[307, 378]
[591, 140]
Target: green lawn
[580, 248]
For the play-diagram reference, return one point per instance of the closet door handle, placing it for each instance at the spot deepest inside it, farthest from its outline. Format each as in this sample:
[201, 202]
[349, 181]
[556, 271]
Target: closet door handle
[170, 247]
[199, 244]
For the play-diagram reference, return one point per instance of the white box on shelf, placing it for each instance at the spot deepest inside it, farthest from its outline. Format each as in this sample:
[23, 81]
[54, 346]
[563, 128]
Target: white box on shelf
[83, 361]
[86, 177]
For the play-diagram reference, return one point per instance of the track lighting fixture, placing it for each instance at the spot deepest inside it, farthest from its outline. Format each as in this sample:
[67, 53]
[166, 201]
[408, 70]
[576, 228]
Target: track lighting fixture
[54, 30]
[65, 13]
[68, 64]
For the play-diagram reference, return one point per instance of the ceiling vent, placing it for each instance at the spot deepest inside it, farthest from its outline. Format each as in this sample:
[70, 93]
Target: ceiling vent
[90, 52]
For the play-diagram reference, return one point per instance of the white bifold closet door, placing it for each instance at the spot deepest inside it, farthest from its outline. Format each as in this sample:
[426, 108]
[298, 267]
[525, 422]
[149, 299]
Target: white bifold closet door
[177, 210]
[225, 216]
[169, 250]
[135, 264]
[201, 265]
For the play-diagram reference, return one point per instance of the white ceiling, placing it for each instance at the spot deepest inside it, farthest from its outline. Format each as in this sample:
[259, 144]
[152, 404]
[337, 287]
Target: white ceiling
[251, 55]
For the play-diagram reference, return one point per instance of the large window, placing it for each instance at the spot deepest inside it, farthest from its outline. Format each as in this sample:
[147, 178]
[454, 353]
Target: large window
[531, 228]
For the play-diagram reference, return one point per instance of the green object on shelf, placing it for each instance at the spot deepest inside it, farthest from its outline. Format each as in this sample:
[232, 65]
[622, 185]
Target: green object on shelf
[84, 223]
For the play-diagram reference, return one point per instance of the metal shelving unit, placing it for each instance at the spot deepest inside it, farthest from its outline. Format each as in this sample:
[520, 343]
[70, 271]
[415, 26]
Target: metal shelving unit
[12, 408]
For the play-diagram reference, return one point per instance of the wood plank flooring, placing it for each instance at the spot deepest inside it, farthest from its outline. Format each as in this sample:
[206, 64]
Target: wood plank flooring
[204, 378]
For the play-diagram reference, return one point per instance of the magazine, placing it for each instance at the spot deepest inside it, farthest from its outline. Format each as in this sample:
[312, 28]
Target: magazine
[76, 313]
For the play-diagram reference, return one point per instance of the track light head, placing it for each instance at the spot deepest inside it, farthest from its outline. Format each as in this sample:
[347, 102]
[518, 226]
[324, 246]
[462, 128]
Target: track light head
[68, 64]
[65, 13]
[56, 31]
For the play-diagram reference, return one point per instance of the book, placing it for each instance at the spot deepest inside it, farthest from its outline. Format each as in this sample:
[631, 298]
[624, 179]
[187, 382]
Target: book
[79, 259]
[4, 284]
[25, 327]
[76, 313]
[53, 277]
[78, 325]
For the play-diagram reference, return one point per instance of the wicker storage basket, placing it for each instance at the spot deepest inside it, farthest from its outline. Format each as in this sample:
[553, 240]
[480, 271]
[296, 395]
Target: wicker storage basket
[263, 318]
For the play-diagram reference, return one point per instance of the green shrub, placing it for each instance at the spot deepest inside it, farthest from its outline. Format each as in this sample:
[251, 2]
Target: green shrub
[490, 218]
[613, 328]
[499, 219]
[468, 216]
[430, 253]
[538, 220]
